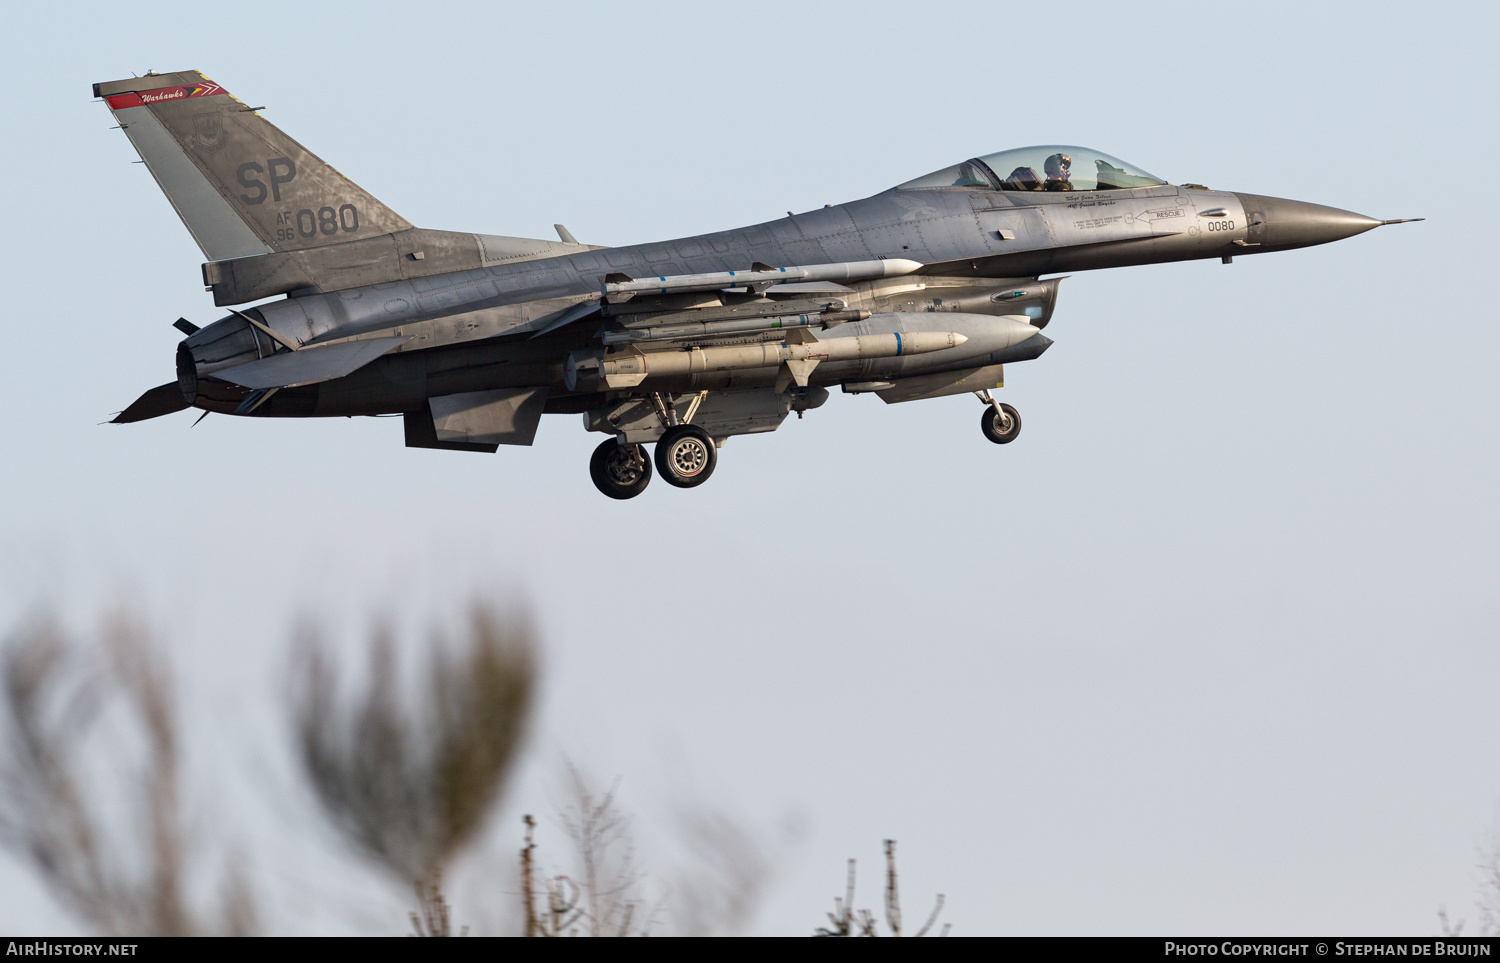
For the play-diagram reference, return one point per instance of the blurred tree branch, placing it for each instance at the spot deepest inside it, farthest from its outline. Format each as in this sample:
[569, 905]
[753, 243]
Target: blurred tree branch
[1488, 903]
[54, 694]
[606, 898]
[434, 916]
[411, 788]
[726, 878]
[845, 920]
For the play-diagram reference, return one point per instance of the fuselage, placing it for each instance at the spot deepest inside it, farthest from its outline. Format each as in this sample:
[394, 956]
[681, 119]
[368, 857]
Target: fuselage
[475, 330]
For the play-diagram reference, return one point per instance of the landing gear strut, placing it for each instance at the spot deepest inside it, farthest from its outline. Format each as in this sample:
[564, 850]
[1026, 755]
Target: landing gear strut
[620, 471]
[1000, 422]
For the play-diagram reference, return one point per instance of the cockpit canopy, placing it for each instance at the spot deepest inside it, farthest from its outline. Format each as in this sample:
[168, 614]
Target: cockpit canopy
[1055, 168]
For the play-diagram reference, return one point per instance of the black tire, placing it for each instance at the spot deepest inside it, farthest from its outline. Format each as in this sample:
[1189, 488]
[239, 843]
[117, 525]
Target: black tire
[620, 471]
[1000, 434]
[686, 456]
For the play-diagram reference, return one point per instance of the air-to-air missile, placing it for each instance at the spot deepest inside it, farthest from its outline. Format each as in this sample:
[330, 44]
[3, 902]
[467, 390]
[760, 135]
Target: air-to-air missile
[767, 323]
[619, 287]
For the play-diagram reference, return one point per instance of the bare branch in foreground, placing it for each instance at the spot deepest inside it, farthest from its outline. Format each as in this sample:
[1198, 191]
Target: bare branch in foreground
[434, 915]
[606, 894]
[1489, 888]
[721, 889]
[413, 788]
[846, 921]
[124, 876]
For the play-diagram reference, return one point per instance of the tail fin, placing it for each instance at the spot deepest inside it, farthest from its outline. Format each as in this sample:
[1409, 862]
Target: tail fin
[241, 186]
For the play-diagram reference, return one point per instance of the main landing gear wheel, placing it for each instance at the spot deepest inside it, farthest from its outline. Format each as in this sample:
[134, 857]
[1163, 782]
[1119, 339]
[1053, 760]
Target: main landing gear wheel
[620, 471]
[1000, 430]
[686, 456]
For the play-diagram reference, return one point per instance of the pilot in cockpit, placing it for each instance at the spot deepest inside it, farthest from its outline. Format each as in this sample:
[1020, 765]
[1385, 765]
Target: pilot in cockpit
[1058, 169]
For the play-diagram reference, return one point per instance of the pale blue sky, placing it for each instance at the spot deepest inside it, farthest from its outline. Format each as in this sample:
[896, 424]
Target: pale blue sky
[1212, 648]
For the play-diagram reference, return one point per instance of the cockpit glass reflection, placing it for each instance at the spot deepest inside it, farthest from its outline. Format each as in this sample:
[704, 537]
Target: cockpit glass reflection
[1054, 168]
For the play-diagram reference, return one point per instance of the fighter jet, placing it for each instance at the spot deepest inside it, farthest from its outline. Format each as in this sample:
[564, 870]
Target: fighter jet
[925, 290]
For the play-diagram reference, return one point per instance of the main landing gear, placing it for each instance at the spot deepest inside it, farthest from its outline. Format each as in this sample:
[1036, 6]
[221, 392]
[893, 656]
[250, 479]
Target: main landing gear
[685, 457]
[620, 471]
[1000, 422]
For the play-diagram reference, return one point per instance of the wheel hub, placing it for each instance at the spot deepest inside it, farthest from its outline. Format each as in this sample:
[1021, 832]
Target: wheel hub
[688, 457]
[624, 466]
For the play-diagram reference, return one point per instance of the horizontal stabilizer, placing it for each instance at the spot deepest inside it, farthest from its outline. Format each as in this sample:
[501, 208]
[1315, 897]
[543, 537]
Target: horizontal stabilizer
[309, 365]
[161, 400]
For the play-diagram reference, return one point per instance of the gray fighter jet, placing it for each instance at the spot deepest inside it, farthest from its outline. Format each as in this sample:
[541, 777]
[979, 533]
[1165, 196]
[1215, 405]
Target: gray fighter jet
[925, 290]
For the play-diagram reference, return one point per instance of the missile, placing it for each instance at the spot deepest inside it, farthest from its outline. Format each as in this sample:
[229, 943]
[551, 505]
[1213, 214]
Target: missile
[620, 287]
[797, 356]
[714, 329]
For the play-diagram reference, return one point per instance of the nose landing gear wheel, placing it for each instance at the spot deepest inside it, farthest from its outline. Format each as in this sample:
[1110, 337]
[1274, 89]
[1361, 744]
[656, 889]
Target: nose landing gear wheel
[686, 456]
[1000, 431]
[620, 471]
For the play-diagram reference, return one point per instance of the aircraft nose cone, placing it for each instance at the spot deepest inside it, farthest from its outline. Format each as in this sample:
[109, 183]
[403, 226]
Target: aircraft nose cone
[1277, 224]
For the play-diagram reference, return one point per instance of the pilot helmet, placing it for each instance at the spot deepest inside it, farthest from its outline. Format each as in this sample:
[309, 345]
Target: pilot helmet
[1058, 166]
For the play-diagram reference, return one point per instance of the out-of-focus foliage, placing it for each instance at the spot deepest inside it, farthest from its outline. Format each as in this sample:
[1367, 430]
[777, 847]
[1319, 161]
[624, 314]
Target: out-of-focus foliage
[409, 768]
[721, 888]
[62, 705]
[434, 915]
[605, 895]
[411, 785]
[1488, 902]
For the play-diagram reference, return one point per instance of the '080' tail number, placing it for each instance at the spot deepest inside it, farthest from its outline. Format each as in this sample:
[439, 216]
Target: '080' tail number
[1221, 225]
[309, 223]
[305, 223]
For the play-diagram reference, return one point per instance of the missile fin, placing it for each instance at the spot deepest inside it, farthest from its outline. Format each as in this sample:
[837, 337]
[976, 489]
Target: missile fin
[783, 377]
[802, 370]
[795, 371]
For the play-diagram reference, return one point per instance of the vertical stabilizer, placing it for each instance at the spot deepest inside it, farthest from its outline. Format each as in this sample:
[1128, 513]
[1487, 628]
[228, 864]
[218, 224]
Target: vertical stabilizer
[240, 185]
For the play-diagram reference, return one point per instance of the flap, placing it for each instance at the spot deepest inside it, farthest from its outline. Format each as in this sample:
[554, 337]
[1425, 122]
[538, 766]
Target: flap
[310, 365]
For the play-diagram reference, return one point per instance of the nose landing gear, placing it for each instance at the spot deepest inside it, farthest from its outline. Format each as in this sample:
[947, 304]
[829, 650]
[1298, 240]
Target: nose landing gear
[1000, 422]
